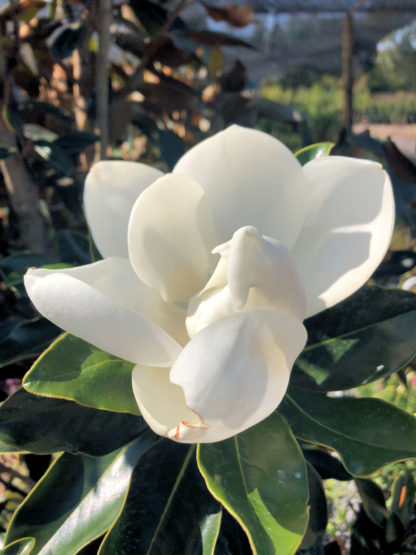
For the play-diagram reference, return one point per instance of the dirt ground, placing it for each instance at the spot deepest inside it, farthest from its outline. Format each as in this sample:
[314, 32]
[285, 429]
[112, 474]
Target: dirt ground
[403, 135]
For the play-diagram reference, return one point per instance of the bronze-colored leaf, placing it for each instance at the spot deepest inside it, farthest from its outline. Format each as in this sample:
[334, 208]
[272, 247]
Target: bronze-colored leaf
[399, 163]
[131, 42]
[163, 50]
[233, 79]
[169, 95]
[209, 38]
[237, 16]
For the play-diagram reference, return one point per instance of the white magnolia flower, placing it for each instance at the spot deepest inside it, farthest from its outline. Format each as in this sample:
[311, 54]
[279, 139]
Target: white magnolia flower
[210, 270]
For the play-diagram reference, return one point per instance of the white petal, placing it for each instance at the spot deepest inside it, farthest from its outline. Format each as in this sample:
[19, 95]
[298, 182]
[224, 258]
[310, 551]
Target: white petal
[266, 269]
[161, 403]
[168, 234]
[111, 189]
[347, 230]
[249, 178]
[235, 372]
[257, 273]
[91, 303]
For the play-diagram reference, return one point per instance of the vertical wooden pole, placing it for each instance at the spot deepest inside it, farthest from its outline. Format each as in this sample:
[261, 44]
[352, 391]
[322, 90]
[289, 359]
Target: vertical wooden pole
[347, 69]
[101, 76]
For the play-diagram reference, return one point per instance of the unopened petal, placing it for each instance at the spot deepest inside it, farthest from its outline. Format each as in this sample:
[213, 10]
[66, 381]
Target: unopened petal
[254, 272]
[347, 230]
[249, 178]
[169, 237]
[235, 372]
[111, 189]
[92, 304]
[264, 267]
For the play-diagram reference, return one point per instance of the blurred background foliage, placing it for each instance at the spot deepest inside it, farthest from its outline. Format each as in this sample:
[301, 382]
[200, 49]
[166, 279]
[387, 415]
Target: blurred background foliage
[144, 81]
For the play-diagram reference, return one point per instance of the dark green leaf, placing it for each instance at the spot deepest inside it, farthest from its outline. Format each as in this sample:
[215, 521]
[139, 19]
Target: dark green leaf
[6, 151]
[232, 539]
[366, 537]
[76, 141]
[325, 464]
[332, 548]
[14, 267]
[77, 500]
[210, 532]
[52, 153]
[372, 498]
[40, 425]
[367, 433]
[75, 370]
[399, 262]
[74, 247]
[366, 337]
[65, 40]
[311, 152]
[403, 497]
[168, 508]
[20, 547]
[394, 530]
[260, 478]
[25, 339]
[318, 512]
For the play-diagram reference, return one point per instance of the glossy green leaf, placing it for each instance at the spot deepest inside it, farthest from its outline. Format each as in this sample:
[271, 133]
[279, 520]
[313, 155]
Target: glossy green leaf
[318, 512]
[77, 500]
[22, 546]
[366, 337]
[372, 499]
[403, 497]
[210, 531]
[41, 425]
[367, 433]
[168, 508]
[311, 152]
[260, 478]
[25, 338]
[75, 370]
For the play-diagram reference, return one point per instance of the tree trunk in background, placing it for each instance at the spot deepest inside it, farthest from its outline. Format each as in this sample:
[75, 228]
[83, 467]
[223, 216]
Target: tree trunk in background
[101, 75]
[347, 69]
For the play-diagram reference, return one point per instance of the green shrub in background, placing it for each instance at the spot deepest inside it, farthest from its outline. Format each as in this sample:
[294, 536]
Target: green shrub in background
[322, 104]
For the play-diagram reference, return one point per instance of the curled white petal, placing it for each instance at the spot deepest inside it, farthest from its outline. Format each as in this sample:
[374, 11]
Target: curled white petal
[249, 178]
[347, 229]
[161, 403]
[235, 372]
[169, 237]
[97, 303]
[111, 189]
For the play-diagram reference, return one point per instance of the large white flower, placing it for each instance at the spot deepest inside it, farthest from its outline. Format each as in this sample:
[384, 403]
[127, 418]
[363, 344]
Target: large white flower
[210, 270]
